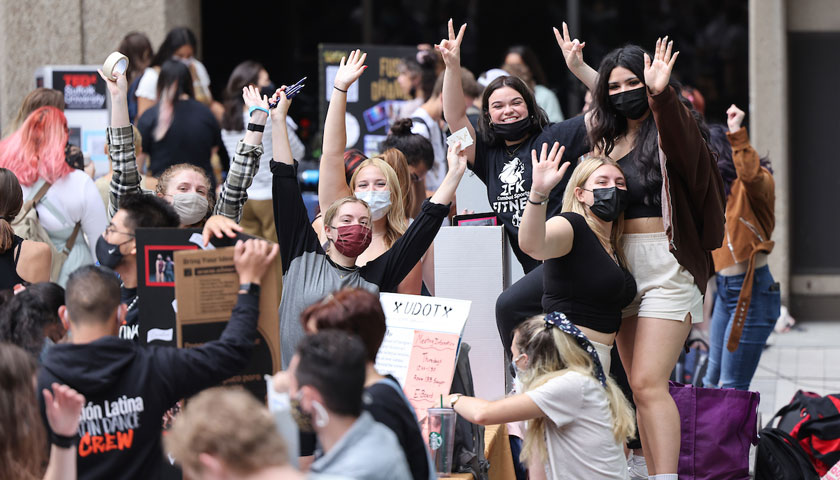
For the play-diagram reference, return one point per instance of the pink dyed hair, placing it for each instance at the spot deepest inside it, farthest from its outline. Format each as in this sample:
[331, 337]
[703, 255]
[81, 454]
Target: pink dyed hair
[36, 149]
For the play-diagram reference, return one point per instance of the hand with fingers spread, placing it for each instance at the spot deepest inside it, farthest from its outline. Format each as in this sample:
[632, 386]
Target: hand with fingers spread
[658, 71]
[572, 49]
[450, 48]
[350, 70]
[547, 171]
[252, 97]
[63, 407]
[217, 226]
[734, 118]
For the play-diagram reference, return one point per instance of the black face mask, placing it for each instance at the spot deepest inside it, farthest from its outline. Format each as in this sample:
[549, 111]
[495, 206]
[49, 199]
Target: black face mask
[74, 157]
[632, 104]
[268, 90]
[512, 131]
[108, 254]
[609, 203]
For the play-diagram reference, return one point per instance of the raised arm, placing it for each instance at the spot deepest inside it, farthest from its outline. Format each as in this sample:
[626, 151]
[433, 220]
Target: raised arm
[189, 370]
[332, 183]
[63, 408]
[246, 159]
[391, 268]
[454, 108]
[540, 239]
[125, 179]
[758, 181]
[291, 220]
[573, 53]
[457, 161]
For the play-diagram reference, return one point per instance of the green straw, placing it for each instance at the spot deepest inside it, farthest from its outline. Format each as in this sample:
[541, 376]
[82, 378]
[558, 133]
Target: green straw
[441, 400]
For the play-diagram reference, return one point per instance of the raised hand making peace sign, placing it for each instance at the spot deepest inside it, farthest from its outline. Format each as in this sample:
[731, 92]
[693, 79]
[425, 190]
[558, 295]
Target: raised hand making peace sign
[451, 49]
[658, 72]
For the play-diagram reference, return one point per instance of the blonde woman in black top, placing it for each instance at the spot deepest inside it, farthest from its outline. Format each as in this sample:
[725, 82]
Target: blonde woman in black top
[584, 273]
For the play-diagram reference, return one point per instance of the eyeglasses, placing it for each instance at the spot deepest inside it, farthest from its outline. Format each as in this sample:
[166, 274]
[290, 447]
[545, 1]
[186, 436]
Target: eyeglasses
[111, 229]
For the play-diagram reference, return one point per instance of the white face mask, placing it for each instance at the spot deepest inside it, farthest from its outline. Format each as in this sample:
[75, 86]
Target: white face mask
[378, 201]
[191, 207]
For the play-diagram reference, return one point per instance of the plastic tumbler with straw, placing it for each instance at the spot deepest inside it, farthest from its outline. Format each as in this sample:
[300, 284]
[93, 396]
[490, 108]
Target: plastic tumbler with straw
[441, 428]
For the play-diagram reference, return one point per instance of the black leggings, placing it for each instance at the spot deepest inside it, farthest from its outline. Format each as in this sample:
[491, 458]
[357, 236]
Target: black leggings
[519, 302]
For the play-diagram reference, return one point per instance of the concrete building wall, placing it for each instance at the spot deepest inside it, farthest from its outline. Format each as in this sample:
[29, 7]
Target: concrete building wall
[56, 32]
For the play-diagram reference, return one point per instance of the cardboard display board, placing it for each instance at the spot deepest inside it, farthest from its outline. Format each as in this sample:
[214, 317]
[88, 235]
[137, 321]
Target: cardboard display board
[206, 292]
[421, 344]
[373, 100]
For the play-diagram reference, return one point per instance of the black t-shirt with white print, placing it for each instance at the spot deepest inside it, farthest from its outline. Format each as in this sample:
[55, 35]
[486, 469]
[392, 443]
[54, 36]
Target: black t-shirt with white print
[506, 171]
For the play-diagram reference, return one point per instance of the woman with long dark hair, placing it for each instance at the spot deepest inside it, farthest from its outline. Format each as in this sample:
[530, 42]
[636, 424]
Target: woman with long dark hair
[21, 261]
[137, 47]
[673, 221]
[23, 439]
[180, 44]
[511, 125]
[179, 129]
[257, 218]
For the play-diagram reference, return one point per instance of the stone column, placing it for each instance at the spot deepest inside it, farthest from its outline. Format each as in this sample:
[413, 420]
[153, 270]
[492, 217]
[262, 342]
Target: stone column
[768, 115]
[53, 32]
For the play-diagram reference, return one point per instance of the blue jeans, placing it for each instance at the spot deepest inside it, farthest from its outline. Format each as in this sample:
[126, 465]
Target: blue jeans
[735, 369]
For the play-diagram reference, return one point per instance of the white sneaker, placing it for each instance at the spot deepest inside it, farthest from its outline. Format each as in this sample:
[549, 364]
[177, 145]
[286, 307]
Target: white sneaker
[637, 467]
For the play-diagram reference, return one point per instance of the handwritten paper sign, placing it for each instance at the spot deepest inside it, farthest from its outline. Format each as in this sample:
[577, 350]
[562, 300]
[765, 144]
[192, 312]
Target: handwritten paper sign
[421, 344]
[833, 474]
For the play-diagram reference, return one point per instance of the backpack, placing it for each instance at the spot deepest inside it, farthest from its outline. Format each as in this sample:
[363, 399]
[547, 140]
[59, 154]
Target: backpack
[779, 456]
[814, 422]
[27, 226]
[468, 450]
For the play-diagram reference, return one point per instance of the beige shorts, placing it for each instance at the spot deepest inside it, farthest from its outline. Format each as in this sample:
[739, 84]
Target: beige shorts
[603, 352]
[664, 288]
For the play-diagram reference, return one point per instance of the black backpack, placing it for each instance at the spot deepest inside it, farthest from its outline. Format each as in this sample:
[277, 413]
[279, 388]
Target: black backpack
[468, 451]
[779, 456]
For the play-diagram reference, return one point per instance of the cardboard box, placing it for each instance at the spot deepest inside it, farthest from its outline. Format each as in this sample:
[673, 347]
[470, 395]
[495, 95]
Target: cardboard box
[206, 286]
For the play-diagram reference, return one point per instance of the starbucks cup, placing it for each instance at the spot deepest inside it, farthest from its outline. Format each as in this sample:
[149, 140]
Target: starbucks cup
[441, 428]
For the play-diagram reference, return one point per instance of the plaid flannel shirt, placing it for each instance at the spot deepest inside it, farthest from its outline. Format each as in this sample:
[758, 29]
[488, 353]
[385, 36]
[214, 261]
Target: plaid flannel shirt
[126, 178]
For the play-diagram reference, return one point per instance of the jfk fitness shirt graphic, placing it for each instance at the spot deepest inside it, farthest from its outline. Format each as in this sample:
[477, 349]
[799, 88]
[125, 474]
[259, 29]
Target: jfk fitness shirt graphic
[513, 196]
[109, 425]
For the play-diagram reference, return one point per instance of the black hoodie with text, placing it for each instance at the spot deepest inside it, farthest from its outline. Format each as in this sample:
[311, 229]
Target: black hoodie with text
[128, 387]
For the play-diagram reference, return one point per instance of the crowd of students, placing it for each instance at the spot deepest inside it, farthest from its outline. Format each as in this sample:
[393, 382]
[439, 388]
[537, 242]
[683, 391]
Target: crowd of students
[619, 217]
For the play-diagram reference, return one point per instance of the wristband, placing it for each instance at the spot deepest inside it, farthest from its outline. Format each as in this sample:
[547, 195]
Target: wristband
[255, 108]
[62, 441]
[250, 288]
[255, 127]
[340, 90]
[537, 203]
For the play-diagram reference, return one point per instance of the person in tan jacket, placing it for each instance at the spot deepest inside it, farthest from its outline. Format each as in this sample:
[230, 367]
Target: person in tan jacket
[747, 300]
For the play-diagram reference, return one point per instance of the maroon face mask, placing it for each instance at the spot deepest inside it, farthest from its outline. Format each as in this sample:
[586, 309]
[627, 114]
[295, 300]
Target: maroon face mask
[352, 240]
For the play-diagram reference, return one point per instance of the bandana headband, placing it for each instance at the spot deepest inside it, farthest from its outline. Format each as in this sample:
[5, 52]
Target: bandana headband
[559, 320]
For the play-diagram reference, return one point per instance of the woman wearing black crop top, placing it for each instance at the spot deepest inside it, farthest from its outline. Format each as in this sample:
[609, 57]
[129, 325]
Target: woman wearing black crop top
[21, 261]
[584, 273]
[674, 220]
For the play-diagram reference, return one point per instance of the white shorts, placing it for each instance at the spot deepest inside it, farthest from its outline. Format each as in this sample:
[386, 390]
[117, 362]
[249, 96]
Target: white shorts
[603, 352]
[664, 288]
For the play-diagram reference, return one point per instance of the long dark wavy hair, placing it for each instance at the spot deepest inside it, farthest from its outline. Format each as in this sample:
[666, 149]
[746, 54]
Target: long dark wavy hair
[607, 125]
[246, 73]
[720, 146]
[539, 119]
